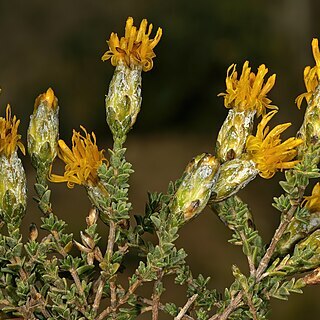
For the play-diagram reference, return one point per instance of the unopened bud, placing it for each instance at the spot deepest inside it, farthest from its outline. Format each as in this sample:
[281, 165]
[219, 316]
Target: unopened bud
[233, 134]
[297, 230]
[310, 129]
[233, 176]
[195, 189]
[13, 189]
[44, 130]
[124, 99]
[92, 217]
[306, 255]
[33, 232]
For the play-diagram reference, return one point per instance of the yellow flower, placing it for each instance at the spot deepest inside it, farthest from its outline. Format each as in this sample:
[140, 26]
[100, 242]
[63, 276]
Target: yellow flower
[48, 97]
[135, 48]
[312, 202]
[82, 162]
[267, 150]
[9, 137]
[311, 75]
[249, 92]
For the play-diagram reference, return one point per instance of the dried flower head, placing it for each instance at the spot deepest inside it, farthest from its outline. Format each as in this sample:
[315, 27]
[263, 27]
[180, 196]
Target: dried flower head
[82, 162]
[312, 203]
[249, 92]
[9, 137]
[311, 75]
[135, 48]
[267, 150]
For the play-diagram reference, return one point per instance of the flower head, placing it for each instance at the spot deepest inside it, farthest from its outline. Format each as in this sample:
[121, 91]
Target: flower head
[311, 75]
[81, 162]
[267, 150]
[249, 92]
[9, 137]
[312, 203]
[135, 48]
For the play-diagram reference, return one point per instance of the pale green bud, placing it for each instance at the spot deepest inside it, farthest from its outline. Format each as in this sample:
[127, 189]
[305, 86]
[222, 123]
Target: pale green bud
[43, 130]
[13, 189]
[233, 176]
[195, 189]
[310, 128]
[124, 99]
[306, 255]
[233, 134]
[297, 230]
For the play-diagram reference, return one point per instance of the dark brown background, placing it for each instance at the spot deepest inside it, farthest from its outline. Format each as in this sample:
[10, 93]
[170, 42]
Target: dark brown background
[60, 43]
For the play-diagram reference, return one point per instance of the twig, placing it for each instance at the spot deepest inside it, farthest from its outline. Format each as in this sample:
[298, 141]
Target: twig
[252, 267]
[72, 271]
[156, 296]
[122, 301]
[161, 306]
[102, 279]
[185, 308]
[251, 306]
[234, 303]
[277, 236]
[113, 297]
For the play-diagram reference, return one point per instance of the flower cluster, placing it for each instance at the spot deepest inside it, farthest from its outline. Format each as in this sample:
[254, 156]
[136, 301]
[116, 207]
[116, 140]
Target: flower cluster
[135, 48]
[249, 91]
[311, 75]
[268, 151]
[81, 162]
[9, 137]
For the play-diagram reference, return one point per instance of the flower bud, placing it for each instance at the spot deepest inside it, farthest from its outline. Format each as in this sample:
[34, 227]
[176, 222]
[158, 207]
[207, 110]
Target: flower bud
[297, 230]
[92, 217]
[33, 232]
[310, 128]
[124, 99]
[233, 176]
[233, 134]
[44, 130]
[13, 189]
[306, 255]
[195, 189]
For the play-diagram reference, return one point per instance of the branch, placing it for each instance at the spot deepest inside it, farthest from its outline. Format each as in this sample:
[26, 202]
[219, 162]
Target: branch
[275, 239]
[185, 308]
[103, 279]
[156, 296]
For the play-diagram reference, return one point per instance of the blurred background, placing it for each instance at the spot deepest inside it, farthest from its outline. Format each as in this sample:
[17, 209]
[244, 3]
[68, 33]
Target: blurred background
[60, 44]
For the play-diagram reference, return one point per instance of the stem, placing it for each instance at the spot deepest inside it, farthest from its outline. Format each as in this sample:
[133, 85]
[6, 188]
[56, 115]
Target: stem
[277, 236]
[252, 267]
[103, 279]
[122, 301]
[161, 306]
[72, 271]
[156, 296]
[185, 308]
[113, 301]
[234, 303]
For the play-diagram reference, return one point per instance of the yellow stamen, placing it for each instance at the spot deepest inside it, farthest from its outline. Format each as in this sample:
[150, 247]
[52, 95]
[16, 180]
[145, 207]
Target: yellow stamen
[81, 162]
[311, 76]
[9, 137]
[312, 202]
[267, 150]
[135, 48]
[48, 97]
[249, 92]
